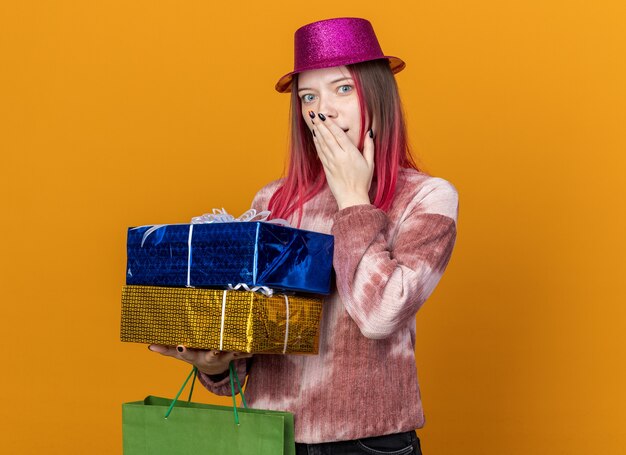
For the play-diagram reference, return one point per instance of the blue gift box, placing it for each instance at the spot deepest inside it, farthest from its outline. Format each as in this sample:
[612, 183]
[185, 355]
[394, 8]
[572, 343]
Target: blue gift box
[219, 254]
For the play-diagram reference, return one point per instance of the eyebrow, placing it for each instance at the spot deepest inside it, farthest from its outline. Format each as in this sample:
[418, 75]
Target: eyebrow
[330, 83]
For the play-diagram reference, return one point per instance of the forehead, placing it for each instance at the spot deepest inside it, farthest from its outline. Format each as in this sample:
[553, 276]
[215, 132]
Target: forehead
[322, 76]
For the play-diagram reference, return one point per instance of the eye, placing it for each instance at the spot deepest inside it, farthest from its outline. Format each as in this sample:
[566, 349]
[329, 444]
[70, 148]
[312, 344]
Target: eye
[348, 87]
[305, 98]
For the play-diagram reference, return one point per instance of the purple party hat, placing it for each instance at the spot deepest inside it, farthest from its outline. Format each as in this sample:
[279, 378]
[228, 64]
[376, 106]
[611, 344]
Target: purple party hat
[335, 42]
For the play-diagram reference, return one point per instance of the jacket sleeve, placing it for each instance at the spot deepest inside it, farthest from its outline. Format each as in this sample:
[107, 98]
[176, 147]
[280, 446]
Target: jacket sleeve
[381, 283]
[220, 384]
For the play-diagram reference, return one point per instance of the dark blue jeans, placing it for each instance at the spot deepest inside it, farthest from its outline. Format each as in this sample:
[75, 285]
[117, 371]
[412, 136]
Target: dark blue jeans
[393, 444]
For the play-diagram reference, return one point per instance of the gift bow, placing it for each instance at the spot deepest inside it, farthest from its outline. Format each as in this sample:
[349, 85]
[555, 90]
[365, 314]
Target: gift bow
[218, 216]
[222, 216]
[266, 291]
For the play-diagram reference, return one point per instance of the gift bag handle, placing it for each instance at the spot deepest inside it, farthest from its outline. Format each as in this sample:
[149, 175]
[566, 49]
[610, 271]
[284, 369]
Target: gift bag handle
[194, 372]
[232, 374]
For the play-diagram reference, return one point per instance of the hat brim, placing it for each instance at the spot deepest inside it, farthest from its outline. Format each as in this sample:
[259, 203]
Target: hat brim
[284, 83]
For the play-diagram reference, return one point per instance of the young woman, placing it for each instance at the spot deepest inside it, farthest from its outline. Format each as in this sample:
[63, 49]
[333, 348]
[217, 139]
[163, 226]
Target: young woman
[351, 175]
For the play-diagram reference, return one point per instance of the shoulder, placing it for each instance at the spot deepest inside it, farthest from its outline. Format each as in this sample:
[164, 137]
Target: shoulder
[425, 193]
[263, 196]
[418, 181]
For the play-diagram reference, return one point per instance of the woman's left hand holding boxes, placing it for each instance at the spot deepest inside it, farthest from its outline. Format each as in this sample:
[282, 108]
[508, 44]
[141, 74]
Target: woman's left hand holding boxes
[210, 362]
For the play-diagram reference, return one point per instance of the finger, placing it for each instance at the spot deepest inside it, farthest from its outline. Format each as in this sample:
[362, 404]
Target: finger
[368, 148]
[321, 153]
[163, 350]
[226, 355]
[321, 142]
[340, 135]
[230, 356]
[310, 120]
[202, 356]
[311, 116]
[186, 354]
[326, 137]
[242, 355]
[207, 357]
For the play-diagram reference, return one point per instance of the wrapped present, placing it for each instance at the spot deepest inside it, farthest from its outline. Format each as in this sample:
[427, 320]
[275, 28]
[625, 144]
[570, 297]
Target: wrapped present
[243, 321]
[217, 254]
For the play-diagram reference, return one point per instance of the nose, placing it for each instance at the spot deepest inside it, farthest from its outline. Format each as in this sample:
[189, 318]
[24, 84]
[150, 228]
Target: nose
[327, 107]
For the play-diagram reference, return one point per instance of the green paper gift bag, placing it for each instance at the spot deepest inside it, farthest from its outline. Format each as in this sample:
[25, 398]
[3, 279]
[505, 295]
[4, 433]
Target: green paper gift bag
[162, 426]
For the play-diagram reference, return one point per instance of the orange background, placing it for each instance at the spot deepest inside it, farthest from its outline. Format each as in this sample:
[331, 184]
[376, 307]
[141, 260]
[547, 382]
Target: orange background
[122, 113]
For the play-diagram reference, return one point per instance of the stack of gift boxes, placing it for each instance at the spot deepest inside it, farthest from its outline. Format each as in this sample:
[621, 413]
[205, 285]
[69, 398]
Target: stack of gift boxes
[247, 286]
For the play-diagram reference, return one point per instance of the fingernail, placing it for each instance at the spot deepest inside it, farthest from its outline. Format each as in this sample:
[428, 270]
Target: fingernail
[150, 347]
[180, 348]
[311, 114]
[322, 117]
[371, 133]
